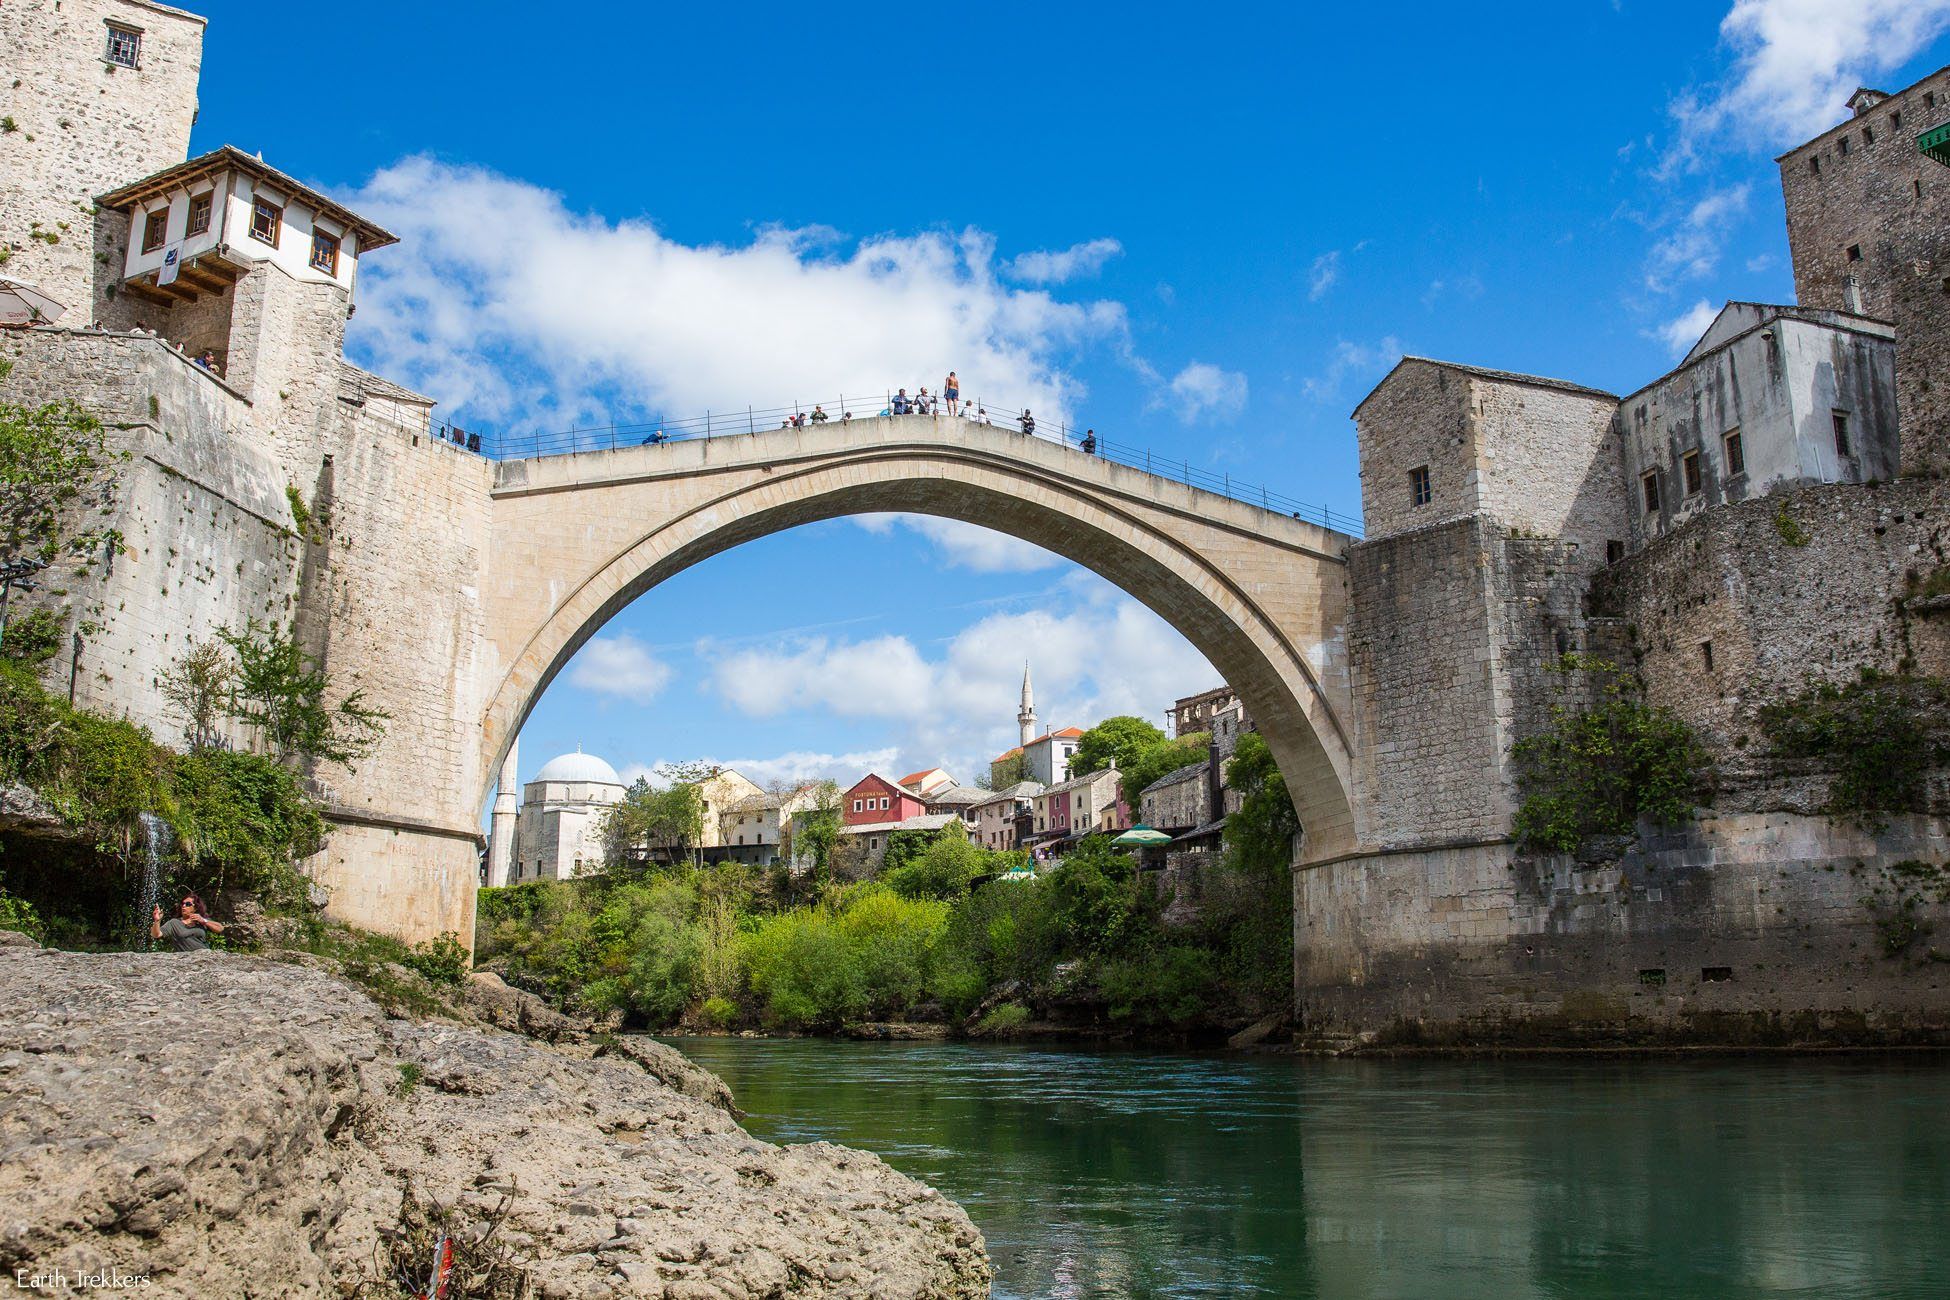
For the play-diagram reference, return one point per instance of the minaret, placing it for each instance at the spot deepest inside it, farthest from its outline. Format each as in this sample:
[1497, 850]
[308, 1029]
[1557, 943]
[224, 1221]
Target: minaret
[1026, 718]
[501, 838]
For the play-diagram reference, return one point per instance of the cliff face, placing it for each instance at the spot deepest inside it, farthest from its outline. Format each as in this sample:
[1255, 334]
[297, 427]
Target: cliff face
[227, 1126]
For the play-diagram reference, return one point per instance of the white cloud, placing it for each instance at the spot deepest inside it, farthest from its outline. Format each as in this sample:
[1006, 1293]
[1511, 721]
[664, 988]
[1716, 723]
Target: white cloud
[618, 665]
[1072, 263]
[1201, 389]
[1468, 287]
[794, 767]
[1684, 330]
[1100, 654]
[1795, 62]
[505, 304]
[1323, 274]
[967, 546]
[1760, 261]
[1692, 247]
[1351, 360]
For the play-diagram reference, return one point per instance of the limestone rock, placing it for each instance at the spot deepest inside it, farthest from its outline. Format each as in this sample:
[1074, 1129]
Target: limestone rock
[230, 1126]
[490, 1000]
[673, 1069]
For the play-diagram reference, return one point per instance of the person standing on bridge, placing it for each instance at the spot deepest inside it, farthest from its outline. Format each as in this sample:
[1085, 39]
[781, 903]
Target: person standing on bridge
[951, 392]
[1028, 422]
[1090, 442]
[819, 414]
[900, 402]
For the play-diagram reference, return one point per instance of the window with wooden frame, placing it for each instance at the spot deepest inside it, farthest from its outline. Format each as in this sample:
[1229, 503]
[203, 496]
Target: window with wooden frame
[324, 252]
[200, 205]
[1690, 464]
[1649, 489]
[155, 230]
[124, 46]
[267, 222]
[1842, 448]
[1419, 491]
[1736, 455]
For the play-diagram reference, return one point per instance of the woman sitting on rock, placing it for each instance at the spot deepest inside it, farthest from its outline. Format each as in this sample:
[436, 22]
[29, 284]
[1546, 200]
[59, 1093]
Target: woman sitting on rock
[189, 931]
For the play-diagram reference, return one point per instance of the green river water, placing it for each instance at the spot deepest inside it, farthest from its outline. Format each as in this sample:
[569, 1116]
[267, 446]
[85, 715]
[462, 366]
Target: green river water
[1129, 1174]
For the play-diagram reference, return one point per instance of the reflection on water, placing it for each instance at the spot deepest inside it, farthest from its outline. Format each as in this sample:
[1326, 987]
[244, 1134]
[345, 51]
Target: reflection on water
[1126, 1174]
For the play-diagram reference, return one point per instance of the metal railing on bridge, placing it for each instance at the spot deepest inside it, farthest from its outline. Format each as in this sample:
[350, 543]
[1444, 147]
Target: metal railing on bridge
[751, 419]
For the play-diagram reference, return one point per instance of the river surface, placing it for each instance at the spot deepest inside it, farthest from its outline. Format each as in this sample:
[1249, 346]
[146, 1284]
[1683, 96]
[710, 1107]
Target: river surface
[1098, 1173]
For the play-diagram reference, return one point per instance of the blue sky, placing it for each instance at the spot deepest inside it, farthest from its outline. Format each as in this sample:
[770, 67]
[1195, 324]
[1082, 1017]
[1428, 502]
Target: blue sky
[1204, 232]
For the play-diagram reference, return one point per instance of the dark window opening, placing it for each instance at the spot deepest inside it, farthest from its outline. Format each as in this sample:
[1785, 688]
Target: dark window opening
[1690, 463]
[1841, 434]
[1842, 143]
[267, 221]
[199, 214]
[1614, 551]
[1706, 654]
[1715, 974]
[324, 252]
[1653, 975]
[124, 46]
[1649, 485]
[1895, 121]
[1929, 99]
[1736, 456]
[1868, 135]
[1419, 490]
[1855, 252]
[155, 229]
[1814, 166]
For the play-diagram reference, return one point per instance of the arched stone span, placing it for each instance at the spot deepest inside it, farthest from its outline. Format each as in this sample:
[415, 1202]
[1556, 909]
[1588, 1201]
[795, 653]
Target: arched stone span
[573, 539]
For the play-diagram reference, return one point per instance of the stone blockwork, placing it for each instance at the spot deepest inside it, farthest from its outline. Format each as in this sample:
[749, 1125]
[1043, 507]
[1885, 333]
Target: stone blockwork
[1775, 929]
[1868, 219]
[1758, 601]
[81, 126]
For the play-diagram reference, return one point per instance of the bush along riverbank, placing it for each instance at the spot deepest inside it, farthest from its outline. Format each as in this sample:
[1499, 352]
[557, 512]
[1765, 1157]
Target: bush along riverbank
[948, 933]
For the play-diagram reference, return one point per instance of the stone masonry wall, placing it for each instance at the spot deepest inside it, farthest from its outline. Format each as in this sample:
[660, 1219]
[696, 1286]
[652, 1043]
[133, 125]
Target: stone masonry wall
[1547, 464]
[81, 127]
[1781, 616]
[1740, 929]
[1864, 186]
[1417, 416]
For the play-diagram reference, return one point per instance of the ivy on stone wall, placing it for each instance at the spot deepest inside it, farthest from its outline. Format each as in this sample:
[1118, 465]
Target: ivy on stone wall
[1877, 736]
[53, 460]
[1597, 769]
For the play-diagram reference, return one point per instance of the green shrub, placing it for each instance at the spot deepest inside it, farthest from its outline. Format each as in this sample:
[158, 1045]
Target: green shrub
[718, 1013]
[442, 960]
[1002, 1020]
[941, 867]
[1878, 735]
[1170, 985]
[1597, 770]
[19, 914]
[803, 972]
[892, 942]
[35, 637]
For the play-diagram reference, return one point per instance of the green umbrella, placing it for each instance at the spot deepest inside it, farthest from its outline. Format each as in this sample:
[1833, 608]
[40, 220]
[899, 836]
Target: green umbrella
[1142, 836]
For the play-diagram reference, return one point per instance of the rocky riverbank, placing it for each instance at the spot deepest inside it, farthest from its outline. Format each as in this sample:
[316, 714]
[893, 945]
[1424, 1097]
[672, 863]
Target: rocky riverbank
[235, 1126]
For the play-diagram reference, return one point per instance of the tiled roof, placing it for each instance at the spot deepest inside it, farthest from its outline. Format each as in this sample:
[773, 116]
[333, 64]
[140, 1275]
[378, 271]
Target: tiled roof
[1177, 777]
[926, 822]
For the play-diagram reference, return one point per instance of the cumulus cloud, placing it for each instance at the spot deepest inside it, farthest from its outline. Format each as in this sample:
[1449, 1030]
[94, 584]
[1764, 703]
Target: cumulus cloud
[966, 546]
[1794, 65]
[1101, 653]
[1323, 274]
[1692, 245]
[618, 665]
[1680, 333]
[1351, 360]
[1201, 389]
[1072, 263]
[506, 304]
[792, 768]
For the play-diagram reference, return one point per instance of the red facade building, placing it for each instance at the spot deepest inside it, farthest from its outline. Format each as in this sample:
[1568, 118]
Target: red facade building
[876, 799]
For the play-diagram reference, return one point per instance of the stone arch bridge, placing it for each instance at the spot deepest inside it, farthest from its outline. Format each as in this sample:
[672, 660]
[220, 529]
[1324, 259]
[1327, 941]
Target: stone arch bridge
[574, 538]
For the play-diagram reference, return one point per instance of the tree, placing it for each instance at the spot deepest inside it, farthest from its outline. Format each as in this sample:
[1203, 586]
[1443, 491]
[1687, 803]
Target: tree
[1123, 739]
[51, 458]
[1161, 758]
[280, 690]
[198, 686]
[1260, 835]
[648, 818]
[1006, 771]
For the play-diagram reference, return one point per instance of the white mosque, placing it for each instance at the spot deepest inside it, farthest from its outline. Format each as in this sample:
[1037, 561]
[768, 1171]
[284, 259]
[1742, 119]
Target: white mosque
[558, 830]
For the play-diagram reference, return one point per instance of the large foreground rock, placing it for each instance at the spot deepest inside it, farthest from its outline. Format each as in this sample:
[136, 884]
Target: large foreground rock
[231, 1127]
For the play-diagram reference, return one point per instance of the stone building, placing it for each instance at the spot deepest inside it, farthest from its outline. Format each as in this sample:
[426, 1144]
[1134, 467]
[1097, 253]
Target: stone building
[559, 829]
[246, 494]
[753, 829]
[1005, 819]
[1868, 221]
[1194, 712]
[1083, 805]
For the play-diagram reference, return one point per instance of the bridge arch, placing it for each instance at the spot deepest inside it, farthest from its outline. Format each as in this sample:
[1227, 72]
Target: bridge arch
[576, 538]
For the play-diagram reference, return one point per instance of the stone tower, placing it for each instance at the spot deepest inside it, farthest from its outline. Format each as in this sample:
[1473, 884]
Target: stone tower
[1868, 217]
[1026, 715]
[501, 837]
[97, 92]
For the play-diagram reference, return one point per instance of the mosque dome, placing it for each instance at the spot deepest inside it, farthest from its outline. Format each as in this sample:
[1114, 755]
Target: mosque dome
[579, 767]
